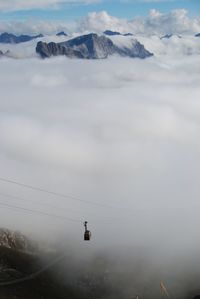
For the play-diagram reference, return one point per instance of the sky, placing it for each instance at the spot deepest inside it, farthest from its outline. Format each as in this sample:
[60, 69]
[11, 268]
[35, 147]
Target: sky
[135, 16]
[71, 10]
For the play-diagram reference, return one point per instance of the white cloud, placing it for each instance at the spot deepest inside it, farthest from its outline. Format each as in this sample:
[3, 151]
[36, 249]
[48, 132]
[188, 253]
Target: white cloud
[33, 26]
[100, 21]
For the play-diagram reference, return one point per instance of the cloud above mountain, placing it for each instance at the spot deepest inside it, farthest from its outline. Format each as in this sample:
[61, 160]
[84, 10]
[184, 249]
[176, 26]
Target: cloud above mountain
[175, 22]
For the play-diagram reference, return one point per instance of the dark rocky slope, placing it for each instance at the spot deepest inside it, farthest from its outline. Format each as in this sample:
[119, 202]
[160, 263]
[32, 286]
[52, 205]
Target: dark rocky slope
[19, 257]
[100, 277]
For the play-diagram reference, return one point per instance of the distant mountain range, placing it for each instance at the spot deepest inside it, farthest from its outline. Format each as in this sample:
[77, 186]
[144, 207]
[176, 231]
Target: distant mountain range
[9, 38]
[167, 36]
[91, 46]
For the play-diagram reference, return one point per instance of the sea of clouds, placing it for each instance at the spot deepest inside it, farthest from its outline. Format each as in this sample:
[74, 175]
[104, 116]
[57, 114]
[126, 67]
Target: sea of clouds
[120, 131]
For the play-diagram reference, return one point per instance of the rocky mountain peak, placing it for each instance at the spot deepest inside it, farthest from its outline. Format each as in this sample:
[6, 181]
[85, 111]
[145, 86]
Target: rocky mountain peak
[111, 33]
[61, 33]
[91, 46]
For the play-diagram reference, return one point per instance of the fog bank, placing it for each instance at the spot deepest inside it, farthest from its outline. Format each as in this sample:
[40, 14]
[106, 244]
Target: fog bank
[122, 133]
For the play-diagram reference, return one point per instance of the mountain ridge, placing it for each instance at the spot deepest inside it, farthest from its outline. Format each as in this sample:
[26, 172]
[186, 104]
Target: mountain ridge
[10, 38]
[91, 46]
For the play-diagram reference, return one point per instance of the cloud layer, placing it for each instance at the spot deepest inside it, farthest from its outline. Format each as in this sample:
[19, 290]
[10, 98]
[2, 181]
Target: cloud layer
[120, 131]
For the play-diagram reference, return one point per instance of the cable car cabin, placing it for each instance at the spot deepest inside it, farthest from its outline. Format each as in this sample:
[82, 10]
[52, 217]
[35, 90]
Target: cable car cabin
[87, 234]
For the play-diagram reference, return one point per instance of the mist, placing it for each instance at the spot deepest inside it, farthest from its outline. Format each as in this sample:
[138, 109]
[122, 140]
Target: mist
[122, 134]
